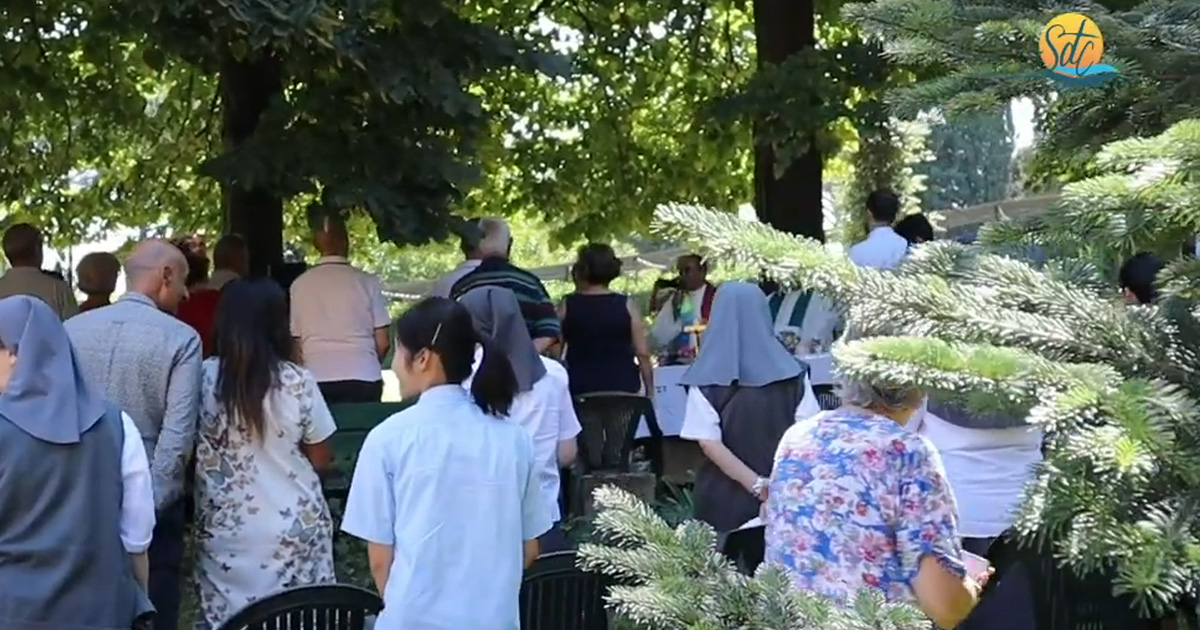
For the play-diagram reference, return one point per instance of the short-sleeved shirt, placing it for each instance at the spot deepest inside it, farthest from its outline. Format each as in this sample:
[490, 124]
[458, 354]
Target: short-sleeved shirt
[548, 414]
[702, 422]
[335, 310]
[232, 463]
[537, 309]
[856, 502]
[40, 284]
[456, 493]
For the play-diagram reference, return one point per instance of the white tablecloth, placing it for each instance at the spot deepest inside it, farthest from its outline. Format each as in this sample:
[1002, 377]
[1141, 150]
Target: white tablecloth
[670, 398]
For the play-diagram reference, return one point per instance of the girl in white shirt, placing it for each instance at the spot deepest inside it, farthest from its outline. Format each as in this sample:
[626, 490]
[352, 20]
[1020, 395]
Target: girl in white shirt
[446, 493]
[543, 402]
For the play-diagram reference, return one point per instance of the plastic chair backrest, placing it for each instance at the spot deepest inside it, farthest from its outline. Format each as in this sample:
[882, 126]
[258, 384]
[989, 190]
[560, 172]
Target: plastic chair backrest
[321, 607]
[609, 423]
[1062, 599]
[826, 397]
[745, 547]
[558, 595]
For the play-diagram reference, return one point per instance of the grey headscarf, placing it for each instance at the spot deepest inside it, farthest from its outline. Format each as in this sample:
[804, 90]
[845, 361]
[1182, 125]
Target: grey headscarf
[497, 315]
[739, 345]
[47, 396]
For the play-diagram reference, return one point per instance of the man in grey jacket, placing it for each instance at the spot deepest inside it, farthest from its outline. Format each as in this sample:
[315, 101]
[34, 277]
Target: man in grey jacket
[147, 362]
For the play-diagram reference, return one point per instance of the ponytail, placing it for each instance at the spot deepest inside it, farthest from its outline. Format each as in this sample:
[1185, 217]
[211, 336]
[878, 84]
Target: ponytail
[495, 384]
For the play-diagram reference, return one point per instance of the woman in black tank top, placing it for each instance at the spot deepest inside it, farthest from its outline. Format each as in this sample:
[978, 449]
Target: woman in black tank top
[604, 332]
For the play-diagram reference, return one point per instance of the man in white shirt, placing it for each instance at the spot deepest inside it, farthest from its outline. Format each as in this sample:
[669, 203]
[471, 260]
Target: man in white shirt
[883, 248]
[341, 321]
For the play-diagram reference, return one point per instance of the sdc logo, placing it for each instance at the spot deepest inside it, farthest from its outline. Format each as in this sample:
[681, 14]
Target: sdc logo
[1072, 47]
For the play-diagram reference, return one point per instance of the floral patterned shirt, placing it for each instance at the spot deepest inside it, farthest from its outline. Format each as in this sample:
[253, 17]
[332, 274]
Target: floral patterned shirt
[855, 502]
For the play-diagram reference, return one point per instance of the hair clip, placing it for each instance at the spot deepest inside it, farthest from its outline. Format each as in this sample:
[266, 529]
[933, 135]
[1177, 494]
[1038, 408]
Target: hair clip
[436, 331]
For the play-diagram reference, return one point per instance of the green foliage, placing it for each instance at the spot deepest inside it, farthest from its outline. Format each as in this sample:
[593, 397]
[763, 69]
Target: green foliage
[975, 57]
[1116, 388]
[1144, 198]
[676, 579]
[593, 152]
[887, 155]
[376, 110]
[971, 161]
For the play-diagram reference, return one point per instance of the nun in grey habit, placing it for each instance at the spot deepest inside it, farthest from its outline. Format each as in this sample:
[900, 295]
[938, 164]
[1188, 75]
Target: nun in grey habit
[543, 402]
[68, 548]
[743, 392]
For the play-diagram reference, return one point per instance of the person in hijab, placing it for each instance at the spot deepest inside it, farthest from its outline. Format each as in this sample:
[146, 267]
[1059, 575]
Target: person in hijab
[66, 457]
[743, 392]
[543, 402]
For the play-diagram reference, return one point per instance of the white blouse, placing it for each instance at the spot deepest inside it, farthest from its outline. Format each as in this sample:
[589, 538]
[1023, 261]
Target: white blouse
[137, 504]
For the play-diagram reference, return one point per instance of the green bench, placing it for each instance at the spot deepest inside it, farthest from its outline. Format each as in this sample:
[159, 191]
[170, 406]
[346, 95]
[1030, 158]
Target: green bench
[354, 421]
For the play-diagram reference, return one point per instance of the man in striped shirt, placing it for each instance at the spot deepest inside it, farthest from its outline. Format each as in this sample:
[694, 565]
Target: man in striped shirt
[494, 269]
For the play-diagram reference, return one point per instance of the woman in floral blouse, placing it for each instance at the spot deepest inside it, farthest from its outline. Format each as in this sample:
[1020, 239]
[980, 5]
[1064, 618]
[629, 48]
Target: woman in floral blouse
[262, 524]
[855, 501]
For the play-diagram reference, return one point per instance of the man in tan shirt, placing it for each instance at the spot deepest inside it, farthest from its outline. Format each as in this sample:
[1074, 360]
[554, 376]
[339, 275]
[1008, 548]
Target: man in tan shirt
[23, 248]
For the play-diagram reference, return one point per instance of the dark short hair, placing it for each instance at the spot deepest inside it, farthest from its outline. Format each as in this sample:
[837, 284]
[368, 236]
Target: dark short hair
[915, 228]
[597, 263]
[21, 243]
[1139, 274]
[884, 205]
[228, 249]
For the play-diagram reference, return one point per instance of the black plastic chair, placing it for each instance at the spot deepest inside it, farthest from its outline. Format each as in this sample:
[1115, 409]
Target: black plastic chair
[609, 423]
[826, 397]
[322, 607]
[558, 595]
[745, 547]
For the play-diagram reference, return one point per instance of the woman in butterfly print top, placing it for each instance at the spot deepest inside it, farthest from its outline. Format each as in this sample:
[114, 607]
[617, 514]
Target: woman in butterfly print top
[262, 521]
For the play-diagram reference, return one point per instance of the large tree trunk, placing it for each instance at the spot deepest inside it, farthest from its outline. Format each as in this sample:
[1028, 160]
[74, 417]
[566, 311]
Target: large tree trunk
[247, 88]
[792, 202]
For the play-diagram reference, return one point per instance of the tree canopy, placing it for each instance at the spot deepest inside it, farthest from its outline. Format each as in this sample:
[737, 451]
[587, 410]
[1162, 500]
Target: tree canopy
[153, 107]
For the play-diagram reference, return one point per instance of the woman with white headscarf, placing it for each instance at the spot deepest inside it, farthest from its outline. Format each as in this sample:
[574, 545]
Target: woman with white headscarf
[744, 391]
[75, 549]
[543, 402]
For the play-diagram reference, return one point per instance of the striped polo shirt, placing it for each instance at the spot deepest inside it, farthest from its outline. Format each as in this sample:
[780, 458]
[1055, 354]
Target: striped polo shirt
[536, 307]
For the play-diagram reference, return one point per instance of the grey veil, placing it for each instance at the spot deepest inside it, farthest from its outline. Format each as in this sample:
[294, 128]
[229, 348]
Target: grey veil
[47, 396]
[497, 315]
[739, 344]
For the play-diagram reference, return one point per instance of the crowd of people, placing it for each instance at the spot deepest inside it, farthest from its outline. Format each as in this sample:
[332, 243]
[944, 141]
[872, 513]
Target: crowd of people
[208, 384]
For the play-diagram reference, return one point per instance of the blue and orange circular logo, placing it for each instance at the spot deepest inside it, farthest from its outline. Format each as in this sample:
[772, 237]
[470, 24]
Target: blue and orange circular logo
[1072, 46]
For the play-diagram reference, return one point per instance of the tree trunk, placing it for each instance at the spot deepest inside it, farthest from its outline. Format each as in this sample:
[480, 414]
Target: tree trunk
[792, 202]
[247, 88]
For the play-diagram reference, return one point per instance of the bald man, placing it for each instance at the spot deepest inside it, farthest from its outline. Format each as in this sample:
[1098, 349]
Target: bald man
[147, 362]
[23, 248]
